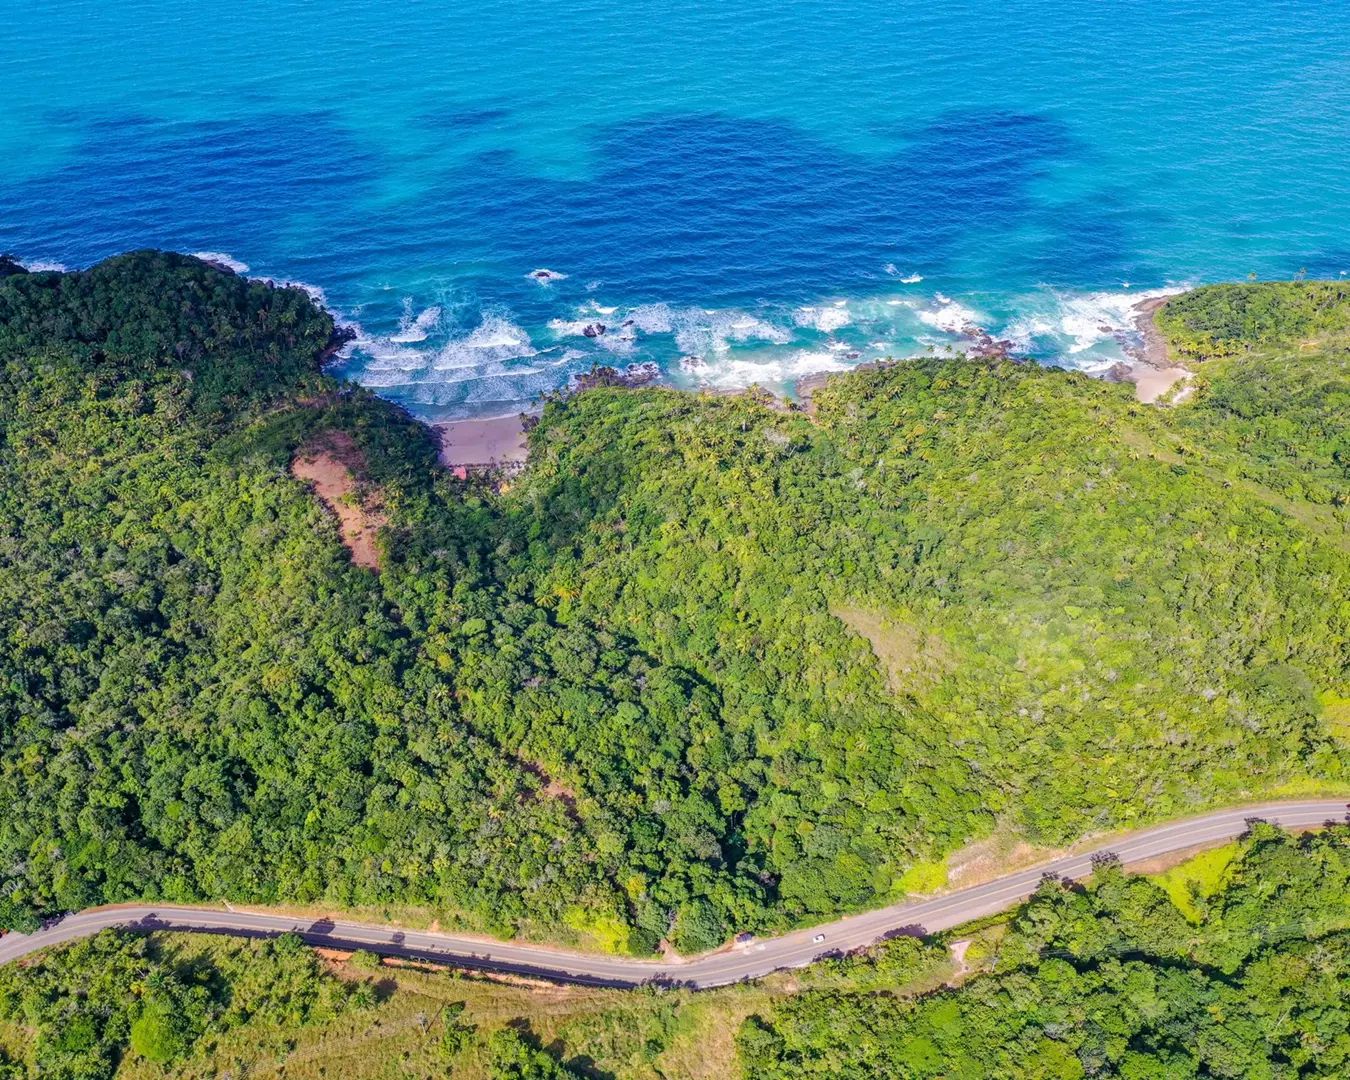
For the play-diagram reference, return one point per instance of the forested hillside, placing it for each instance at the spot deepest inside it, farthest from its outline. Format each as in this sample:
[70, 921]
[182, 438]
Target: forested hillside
[1113, 981]
[709, 665]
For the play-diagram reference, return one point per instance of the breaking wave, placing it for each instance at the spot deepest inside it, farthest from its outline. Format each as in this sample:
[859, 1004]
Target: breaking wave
[509, 360]
[221, 259]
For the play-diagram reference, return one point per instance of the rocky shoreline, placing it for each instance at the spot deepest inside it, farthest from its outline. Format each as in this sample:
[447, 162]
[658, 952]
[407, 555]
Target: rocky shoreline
[1153, 372]
[499, 443]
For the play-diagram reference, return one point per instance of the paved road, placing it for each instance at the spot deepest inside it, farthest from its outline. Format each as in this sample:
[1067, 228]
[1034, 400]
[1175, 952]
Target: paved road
[717, 969]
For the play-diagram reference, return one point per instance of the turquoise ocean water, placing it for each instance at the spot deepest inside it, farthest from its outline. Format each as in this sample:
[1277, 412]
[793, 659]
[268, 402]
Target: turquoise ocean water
[737, 192]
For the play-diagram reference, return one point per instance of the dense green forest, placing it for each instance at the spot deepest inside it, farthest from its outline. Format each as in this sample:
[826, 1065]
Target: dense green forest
[1224, 320]
[707, 665]
[1113, 981]
[88, 1006]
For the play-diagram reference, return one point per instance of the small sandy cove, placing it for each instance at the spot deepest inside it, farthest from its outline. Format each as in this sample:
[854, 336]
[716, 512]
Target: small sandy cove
[1154, 374]
[467, 444]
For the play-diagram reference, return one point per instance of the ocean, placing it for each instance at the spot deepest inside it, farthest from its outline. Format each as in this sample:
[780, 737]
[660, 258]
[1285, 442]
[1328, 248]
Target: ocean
[500, 196]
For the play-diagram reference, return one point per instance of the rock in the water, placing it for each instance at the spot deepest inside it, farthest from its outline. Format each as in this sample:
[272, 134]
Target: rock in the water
[593, 330]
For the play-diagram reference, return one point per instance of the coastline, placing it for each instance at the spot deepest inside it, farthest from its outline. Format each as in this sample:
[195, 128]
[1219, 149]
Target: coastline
[1153, 373]
[496, 443]
[1155, 352]
[499, 443]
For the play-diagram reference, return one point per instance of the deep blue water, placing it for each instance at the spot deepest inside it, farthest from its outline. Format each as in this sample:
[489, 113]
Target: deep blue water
[747, 186]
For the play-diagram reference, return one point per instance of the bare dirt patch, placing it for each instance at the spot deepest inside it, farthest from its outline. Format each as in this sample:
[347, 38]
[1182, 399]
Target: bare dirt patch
[551, 788]
[329, 464]
[995, 855]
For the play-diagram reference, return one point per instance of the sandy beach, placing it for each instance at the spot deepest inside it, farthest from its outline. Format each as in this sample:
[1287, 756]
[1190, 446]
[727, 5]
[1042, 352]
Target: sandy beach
[1154, 374]
[499, 441]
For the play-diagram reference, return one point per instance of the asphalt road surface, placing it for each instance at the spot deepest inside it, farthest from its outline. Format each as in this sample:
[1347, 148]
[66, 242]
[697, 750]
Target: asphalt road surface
[715, 969]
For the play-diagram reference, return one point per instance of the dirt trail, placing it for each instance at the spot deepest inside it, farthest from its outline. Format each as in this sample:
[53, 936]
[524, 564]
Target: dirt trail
[327, 465]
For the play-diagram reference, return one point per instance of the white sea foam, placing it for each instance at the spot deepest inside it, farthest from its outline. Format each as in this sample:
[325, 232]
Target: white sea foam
[732, 372]
[419, 328]
[220, 258]
[496, 332]
[623, 340]
[1092, 317]
[699, 331]
[1022, 332]
[570, 327]
[728, 348]
[384, 361]
[726, 327]
[654, 318]
[912, 279]
[483, 353]
[824, 319]
[950, 317]
[42, 266]
[1075, 323]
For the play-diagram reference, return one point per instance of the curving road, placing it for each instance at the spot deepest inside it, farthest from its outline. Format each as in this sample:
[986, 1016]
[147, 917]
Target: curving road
[714, 969]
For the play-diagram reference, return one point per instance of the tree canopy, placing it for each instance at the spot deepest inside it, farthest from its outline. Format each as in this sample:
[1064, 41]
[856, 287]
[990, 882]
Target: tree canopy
[708, 665]
[1112, 981]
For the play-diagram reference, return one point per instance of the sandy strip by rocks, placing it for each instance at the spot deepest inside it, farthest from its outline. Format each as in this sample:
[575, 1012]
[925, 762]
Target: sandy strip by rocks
[496, 442]
[1154, 374]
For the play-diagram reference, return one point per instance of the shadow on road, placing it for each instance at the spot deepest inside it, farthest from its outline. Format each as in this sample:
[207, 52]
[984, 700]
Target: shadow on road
[324, 933]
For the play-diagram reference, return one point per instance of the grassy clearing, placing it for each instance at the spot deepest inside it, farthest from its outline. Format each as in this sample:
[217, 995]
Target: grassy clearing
[1321, 520]
[908, 654]
[924, 877]
[596, 936]
[1197, 879]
